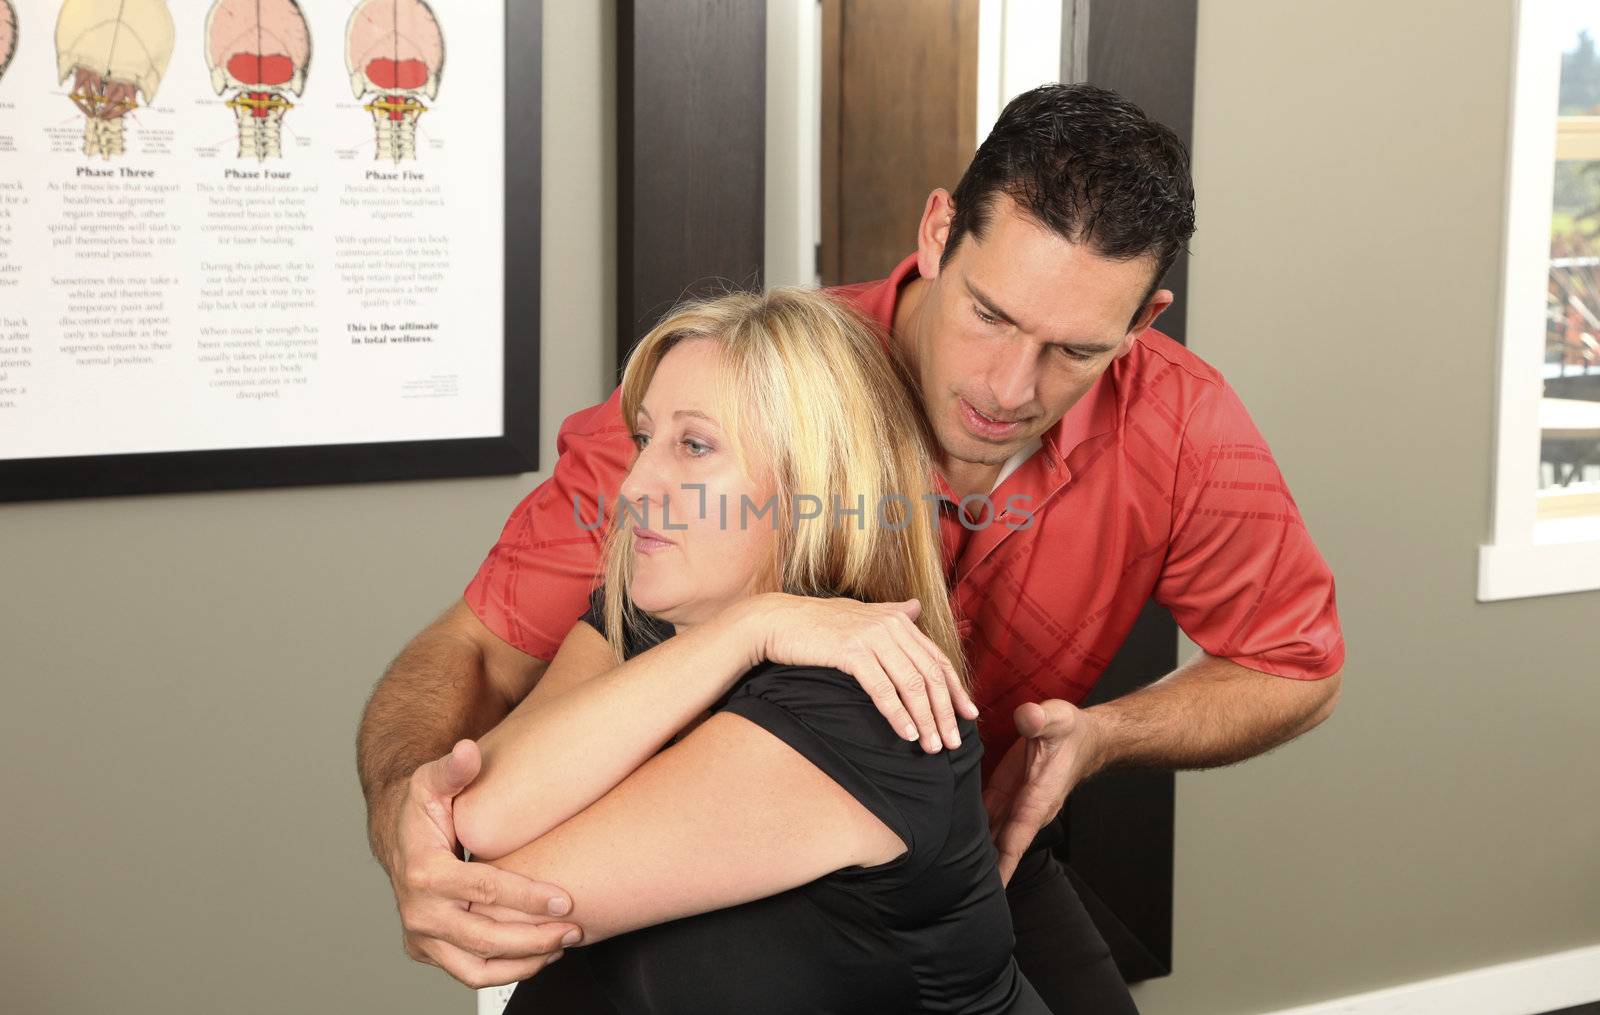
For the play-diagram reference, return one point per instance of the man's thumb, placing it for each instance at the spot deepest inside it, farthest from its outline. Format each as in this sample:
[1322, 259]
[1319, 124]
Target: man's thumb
[455, 771]
[1032, 719]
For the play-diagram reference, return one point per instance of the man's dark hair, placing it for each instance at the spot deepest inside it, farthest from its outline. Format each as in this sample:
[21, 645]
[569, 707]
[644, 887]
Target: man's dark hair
[1090, 166]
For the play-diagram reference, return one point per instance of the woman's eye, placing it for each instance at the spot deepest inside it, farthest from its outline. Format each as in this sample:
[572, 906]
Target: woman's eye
[640, 440]
[696, 448]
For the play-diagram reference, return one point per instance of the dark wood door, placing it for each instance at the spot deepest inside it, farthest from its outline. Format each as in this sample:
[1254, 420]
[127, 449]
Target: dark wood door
[899, 118]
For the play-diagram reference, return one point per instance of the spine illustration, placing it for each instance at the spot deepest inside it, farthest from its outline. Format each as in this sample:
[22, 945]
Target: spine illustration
[260, 51]
[394, 51]
[8, 35]
[114, 51]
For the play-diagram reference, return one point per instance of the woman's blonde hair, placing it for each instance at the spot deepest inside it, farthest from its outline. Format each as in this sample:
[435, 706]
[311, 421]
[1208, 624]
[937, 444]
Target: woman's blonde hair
[812, 406]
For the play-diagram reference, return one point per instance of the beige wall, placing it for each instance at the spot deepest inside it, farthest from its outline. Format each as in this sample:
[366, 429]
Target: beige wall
[183, 676]
[1350, 163]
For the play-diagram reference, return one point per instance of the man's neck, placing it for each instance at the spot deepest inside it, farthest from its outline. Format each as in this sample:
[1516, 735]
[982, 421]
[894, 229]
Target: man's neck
[906, 322]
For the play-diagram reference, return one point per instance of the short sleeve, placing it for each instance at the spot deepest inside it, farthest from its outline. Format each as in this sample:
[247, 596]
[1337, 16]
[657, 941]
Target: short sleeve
[532, 585]
[1242, 576]
[828, 719]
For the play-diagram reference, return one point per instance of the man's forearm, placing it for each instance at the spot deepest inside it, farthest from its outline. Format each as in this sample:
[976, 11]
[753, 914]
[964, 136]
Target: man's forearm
[553, 757]
[1208, 712]
[433, 694]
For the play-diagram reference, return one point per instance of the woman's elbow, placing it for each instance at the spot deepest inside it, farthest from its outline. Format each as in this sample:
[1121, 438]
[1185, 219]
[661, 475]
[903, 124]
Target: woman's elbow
[480, 825]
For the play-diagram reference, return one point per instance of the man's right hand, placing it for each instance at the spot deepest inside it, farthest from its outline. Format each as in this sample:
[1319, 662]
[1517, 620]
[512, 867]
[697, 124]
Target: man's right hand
[482, 925]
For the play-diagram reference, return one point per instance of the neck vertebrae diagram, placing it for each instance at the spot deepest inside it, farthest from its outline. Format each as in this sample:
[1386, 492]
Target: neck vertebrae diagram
[8, 35]
[114, 51]
[394, 50]
[260, 50]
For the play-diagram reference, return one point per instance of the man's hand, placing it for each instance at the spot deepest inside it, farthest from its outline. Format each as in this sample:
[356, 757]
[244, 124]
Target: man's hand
[1056, 746]
[910, 680]
[482, 925]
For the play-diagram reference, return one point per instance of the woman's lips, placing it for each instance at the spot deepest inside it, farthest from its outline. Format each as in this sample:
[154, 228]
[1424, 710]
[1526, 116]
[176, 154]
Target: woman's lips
[983, 426]
[649, 541]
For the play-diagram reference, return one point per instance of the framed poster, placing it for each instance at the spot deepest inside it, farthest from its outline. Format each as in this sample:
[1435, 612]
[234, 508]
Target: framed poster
[263, 243]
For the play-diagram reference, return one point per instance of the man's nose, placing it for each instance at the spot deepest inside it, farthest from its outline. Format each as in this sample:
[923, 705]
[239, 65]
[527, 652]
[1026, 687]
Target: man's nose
[1013, 378]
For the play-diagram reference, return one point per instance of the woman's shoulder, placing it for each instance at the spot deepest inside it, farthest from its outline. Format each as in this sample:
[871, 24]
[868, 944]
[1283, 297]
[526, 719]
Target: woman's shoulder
[823, 689]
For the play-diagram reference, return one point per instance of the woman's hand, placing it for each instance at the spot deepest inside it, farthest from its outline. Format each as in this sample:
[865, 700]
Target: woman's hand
[908, 677]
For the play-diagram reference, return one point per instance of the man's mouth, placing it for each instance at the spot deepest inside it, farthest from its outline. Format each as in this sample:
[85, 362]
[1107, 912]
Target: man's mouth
[987, 427]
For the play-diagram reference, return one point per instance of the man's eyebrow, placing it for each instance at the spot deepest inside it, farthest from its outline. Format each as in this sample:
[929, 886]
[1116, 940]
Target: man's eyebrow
[989, 304]
[995, 311]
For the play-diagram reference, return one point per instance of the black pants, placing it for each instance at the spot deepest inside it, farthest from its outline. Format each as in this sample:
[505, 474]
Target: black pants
[1058, 947]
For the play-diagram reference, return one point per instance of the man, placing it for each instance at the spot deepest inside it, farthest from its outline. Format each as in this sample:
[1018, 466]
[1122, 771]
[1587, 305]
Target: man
[1119, 466]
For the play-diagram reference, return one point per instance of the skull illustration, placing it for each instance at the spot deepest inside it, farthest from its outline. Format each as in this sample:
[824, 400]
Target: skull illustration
[8, 35]
[113, 50]
[393, 48]
[261, 50]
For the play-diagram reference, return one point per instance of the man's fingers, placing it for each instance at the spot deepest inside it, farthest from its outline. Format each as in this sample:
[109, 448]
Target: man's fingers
[507, 914]
[497, 939]
[1008, 867]
[996, 802]
[481, 882]
[478, 973]
[1015, 837]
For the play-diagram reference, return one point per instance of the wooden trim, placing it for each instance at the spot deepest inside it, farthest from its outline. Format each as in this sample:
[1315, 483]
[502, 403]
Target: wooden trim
[1578, 137]
[830, 260]
[967, 76]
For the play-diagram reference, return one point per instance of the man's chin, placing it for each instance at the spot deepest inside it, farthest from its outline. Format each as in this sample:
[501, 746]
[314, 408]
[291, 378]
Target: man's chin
[964, 447]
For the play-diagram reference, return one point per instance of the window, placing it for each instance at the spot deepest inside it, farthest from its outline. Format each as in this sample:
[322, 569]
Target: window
[1547, 469]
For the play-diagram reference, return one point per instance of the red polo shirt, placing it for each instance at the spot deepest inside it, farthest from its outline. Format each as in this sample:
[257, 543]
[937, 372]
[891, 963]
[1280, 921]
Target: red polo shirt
[1156, 483]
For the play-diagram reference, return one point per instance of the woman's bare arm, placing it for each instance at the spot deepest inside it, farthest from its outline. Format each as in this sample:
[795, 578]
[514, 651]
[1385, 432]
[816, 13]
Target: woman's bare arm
[590, 722]
[730, 814]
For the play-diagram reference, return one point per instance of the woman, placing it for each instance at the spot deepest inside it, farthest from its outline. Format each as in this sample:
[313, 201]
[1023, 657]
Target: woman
[788, 852]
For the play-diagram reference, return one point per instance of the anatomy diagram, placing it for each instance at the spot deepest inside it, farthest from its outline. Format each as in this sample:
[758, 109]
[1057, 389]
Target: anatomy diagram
[114, 51]
[260, 50]
[394, 50]
[8, 35]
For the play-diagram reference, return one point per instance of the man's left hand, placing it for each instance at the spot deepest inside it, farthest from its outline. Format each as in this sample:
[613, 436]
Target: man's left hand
[1056, 748]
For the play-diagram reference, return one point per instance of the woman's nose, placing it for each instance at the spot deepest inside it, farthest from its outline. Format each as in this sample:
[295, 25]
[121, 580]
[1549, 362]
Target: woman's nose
[645, 483]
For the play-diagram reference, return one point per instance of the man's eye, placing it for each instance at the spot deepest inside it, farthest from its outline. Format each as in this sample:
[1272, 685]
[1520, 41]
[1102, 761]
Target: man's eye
[984, 317]
[1074, 354]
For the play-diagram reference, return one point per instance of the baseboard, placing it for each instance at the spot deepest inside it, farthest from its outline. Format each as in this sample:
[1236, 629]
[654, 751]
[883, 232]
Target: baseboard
[1525, 987]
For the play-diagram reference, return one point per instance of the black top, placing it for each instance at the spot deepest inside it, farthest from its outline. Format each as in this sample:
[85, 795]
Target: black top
[929, 931]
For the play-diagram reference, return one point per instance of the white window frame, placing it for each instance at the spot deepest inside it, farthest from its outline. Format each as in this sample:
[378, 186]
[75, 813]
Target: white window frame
[1513, 565]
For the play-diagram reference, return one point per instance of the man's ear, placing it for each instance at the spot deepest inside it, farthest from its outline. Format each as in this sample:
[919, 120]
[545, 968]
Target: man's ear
[1159, 301]
[933, 231]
